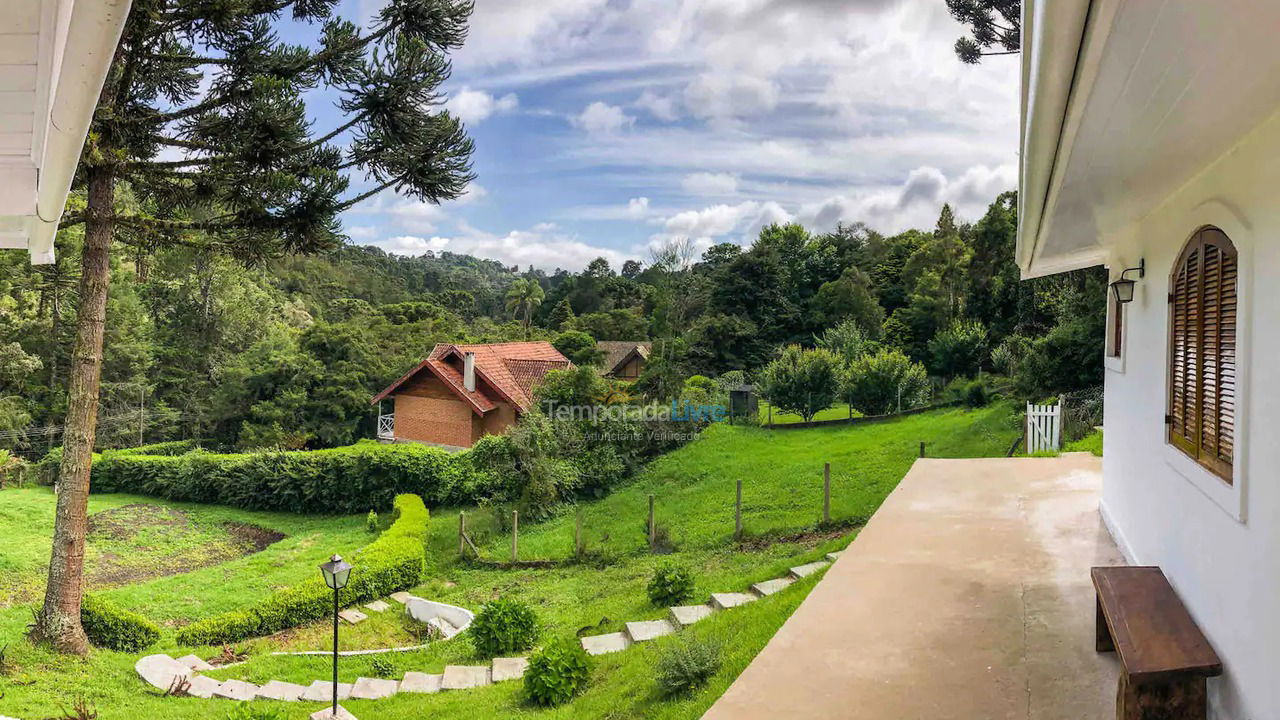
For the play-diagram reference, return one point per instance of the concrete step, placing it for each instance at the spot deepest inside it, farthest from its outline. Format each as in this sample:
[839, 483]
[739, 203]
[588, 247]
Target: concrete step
[352, 616]
[378, 606]
[329, 714]
[509, 668]
[416, 682]
[803, 571]
[401, 597]
[373, 688]
[195, 663]
[462, 677]
[725, 601]
[237, 690]
[447, 630]
[276, 690]
[604, 644]
[322, 691]
[831, 556]
[769, 587]
[686, 615]
[649, 630]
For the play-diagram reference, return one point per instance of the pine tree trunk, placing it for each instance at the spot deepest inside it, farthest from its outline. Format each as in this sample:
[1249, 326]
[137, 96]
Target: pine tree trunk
[58, 623]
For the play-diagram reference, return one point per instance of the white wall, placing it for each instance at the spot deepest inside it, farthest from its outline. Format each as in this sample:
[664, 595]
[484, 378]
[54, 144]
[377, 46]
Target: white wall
[1219, 545]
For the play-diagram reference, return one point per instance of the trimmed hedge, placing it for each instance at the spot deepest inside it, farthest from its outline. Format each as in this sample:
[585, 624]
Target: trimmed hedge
[171, 447]
[114, 628]
[346, 480]
[395, 561]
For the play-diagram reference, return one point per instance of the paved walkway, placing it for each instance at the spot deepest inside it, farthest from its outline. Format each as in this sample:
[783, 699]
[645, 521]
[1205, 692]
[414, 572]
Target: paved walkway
[967, 596]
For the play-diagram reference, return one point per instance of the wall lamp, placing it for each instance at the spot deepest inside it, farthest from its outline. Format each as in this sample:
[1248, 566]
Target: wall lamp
[1123, 288]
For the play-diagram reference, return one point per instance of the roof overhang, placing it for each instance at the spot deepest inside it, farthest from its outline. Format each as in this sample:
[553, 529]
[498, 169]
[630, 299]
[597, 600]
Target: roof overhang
[54, 58]
[1125, 102]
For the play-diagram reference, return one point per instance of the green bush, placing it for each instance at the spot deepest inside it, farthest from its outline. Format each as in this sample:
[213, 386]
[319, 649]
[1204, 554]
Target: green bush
[976, 394]
[557, 673]
[342, 480]
[381, 667]
[800, 381]
[960, 350]
[114, 628]
[371, 522]
[503, 627]
[875, 384]
[395, 561]
[671, 584]
[687, 666]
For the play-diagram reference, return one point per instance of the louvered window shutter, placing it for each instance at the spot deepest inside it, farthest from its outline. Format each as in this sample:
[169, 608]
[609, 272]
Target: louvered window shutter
[1202, 351]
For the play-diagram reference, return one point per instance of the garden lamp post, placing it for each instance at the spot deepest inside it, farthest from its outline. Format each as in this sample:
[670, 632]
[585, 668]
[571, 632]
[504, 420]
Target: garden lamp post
[336, 573]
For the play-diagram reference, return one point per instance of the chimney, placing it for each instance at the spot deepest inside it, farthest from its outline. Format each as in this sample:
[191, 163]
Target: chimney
[469, 372]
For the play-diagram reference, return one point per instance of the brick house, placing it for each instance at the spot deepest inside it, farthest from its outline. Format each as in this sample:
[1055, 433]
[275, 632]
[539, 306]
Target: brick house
[463, 392]
[624, 359]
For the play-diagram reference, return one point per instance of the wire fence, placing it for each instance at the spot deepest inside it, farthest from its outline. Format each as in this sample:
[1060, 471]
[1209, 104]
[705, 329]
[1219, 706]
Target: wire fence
[1081, 413]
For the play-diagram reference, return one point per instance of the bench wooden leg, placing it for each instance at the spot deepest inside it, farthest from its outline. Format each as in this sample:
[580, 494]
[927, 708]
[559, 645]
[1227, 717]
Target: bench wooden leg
[1183, 699]
[1102, 642]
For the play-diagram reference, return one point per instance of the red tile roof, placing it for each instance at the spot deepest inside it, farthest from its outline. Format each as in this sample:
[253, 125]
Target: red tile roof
[510, 370]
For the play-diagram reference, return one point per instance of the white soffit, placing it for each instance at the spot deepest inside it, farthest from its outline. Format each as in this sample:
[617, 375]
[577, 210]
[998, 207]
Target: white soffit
[1162, 89]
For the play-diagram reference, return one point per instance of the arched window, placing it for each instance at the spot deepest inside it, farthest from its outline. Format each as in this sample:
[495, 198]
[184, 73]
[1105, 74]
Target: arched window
[1202, 351]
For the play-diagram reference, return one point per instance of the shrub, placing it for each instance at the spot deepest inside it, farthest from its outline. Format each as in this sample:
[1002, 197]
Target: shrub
[504, 626]
[687, 666]
[371, 522]
[170, 448]
[804, 382]
[342, 480]
[115, 628]
[959, 350]
[671, 584]
[557, 673]
[976, 395]
[381, 667]
[873, 383]
[395, 561]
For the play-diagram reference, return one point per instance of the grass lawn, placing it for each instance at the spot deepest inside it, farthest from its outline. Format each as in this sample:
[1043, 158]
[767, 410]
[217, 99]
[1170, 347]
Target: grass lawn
[782, 474]
[839, 411]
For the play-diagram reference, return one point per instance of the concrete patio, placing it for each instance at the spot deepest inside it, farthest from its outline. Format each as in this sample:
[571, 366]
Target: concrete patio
[967, 596]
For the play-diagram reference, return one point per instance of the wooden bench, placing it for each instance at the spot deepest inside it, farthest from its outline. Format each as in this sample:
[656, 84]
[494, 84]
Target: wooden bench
[1166, 658]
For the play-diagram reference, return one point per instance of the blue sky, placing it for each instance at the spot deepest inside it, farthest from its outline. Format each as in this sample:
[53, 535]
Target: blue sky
[605, 127]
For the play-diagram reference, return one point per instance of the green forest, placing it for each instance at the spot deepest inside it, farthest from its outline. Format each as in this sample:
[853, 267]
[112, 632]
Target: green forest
[286, 352]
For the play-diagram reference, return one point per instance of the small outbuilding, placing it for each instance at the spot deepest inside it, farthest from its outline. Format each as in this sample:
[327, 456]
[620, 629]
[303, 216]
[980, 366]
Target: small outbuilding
[624, 359]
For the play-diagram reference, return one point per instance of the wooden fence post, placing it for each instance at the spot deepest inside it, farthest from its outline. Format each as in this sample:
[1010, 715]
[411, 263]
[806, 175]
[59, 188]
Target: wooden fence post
[652, 528]
[826, 493]
[921, 448]
[577, 535]
[515, 534]
[462, 533]
[737, 514]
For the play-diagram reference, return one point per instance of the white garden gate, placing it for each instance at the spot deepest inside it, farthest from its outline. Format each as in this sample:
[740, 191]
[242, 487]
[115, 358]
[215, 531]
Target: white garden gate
[1044, 427]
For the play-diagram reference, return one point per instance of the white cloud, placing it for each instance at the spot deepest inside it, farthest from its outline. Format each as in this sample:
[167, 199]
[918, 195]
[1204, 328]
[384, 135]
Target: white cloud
[705, 183]
[724, 95]
[638, 208]
[662, 107]
[361, 232]
[544, 246]
[601, 118]
[414, 245]
[742, 220]
[475, 106]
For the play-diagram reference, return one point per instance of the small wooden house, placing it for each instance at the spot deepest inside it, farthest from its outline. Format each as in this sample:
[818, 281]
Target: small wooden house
[624, 359]
[462, 392]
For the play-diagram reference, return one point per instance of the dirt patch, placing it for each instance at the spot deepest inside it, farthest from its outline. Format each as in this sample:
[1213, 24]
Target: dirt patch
[809, 538]
[138, 542]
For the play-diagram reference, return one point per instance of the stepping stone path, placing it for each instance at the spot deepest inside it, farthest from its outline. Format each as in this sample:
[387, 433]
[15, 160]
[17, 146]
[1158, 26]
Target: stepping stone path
[769, 587]
[605, 644]
[322, 691]
[463, 677]
[237, 690]
[686, 615]
[160, 671]
[276, 690]
[831, 556]
[649, 630]
[353, 617]
[373, 689]
[509, 668]
[416, 682]
[808, 569]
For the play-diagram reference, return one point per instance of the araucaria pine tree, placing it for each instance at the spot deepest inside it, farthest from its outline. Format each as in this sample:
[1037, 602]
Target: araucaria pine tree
[204, 117]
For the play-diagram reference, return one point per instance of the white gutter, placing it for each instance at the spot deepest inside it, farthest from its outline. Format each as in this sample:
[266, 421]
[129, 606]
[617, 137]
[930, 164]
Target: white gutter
[1052, 37]
[92, 36]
